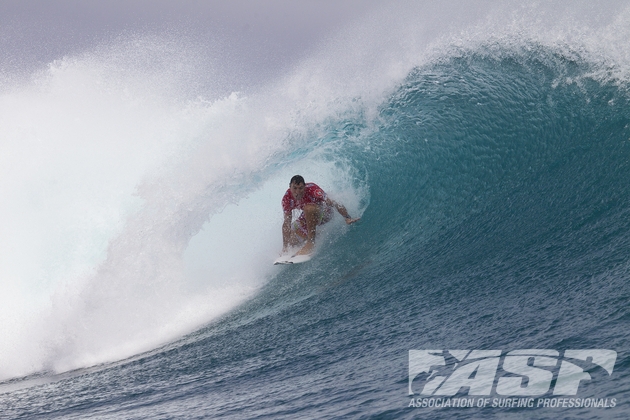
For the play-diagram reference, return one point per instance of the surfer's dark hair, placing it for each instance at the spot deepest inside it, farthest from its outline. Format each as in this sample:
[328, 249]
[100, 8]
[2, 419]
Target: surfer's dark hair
[297, 179]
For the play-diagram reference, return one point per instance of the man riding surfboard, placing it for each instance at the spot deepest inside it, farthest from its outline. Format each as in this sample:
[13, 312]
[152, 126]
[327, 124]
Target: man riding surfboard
[317, 209]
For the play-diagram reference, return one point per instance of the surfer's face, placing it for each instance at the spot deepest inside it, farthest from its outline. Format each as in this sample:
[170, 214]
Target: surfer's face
[297, 190]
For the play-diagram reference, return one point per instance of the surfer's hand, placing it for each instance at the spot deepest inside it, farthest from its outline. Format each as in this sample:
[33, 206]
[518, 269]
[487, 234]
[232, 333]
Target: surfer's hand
[350, 220]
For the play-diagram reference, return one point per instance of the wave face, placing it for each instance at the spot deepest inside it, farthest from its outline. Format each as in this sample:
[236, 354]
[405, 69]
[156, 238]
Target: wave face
[492, 182]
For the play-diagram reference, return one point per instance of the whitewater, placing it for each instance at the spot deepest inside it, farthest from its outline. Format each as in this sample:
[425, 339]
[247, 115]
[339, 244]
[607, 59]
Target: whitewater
[486, 148]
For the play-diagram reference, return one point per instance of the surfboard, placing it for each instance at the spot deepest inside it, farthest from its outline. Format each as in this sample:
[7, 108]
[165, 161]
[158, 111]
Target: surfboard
[296, 259]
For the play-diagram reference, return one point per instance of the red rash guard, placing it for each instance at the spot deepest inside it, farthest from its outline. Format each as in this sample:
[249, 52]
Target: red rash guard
[312, 195]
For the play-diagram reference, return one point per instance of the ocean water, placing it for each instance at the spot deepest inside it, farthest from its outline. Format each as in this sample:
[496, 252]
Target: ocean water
[486, 149]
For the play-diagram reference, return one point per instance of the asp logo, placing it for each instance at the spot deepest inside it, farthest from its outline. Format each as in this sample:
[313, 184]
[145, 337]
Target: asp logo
[523, 373]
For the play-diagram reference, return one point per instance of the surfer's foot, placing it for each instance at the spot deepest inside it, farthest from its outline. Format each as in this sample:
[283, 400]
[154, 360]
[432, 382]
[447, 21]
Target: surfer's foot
[306, 249]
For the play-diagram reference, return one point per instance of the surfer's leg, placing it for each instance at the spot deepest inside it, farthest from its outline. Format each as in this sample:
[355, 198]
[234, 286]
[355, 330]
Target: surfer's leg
[299, 231]
[295, 239]
[312, 215]
[326, 215]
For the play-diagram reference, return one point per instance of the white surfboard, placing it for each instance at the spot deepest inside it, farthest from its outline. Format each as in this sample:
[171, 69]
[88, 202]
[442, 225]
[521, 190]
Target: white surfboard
[296, 259]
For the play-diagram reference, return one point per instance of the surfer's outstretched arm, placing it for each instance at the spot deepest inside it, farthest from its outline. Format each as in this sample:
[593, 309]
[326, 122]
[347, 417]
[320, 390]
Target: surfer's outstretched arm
[342, 211]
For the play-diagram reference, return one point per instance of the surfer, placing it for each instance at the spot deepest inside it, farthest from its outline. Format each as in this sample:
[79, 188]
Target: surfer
[317, 209]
